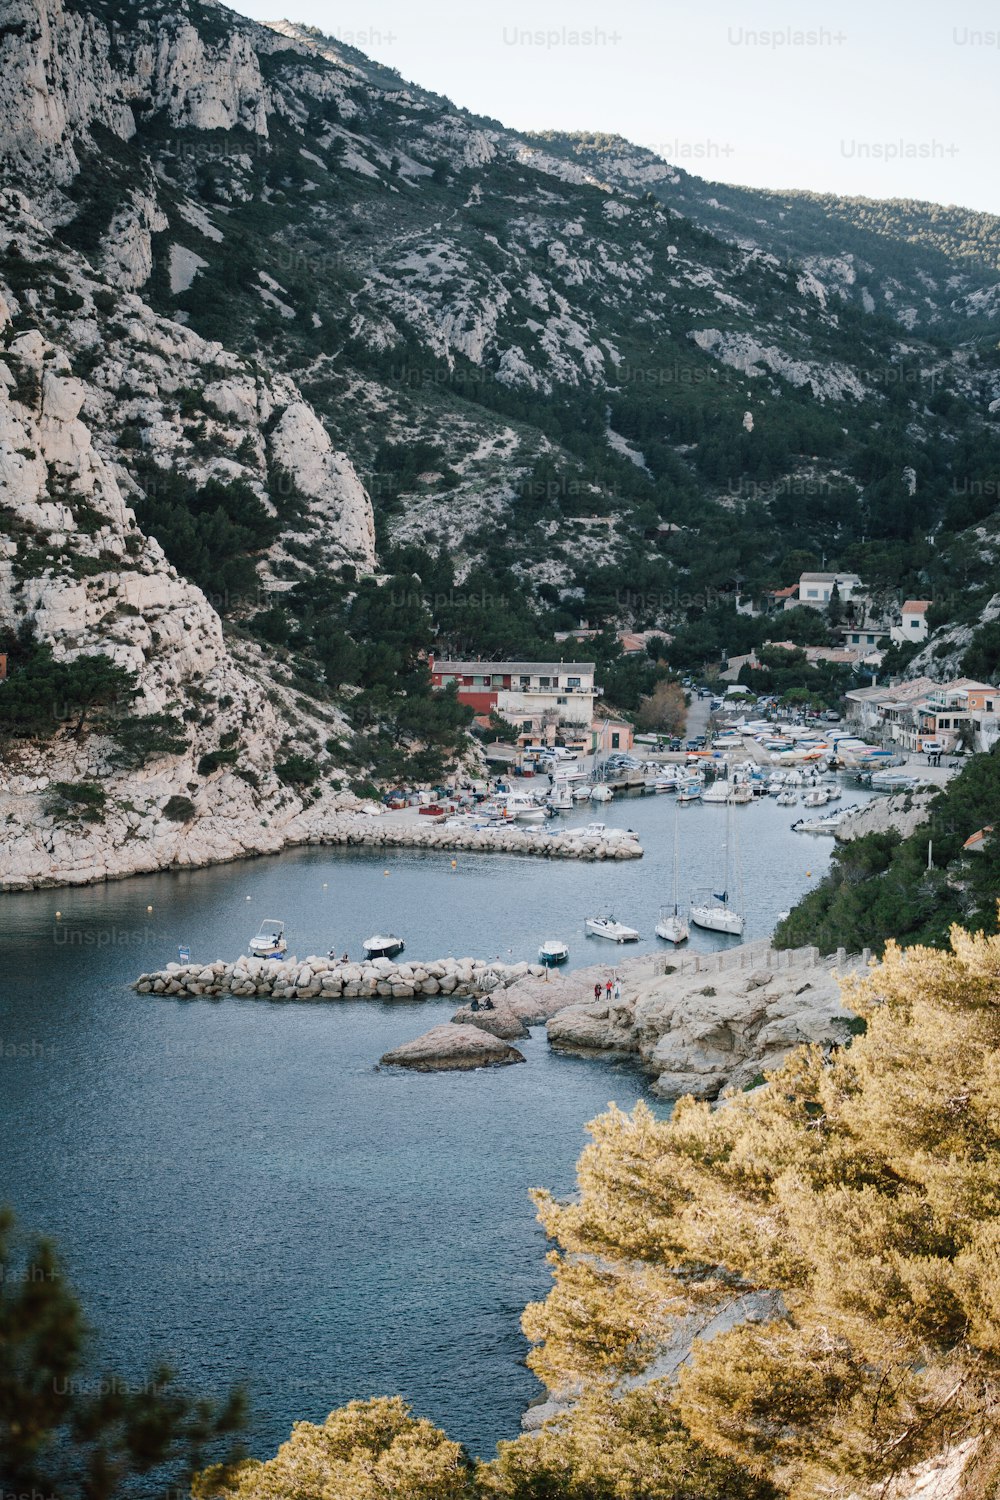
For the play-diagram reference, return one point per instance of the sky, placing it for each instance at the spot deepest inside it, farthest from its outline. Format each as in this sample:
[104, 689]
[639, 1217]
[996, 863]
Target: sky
[879, 98]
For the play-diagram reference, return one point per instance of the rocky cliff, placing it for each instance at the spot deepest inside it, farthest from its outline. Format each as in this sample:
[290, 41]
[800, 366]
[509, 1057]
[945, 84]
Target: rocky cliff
[253, 284]
[711, 1023]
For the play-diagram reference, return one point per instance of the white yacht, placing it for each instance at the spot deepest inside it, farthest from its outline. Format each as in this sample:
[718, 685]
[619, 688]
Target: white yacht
[270, 940]
[717, 915]
[714, 911]
[608, 927]
[672, 927]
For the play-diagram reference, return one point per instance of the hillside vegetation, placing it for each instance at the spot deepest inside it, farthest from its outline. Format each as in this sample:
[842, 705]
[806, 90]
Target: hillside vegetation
[881, 886]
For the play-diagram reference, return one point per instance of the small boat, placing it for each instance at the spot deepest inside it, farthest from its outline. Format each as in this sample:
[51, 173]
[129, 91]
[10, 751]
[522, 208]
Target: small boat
[596, 829]
[581, 794]
[818, 797]
[270, 940]
[672, 927]
[786, 799]
[560, 799]
[828, 823]
[608, 927]
[717, 792]
[717, 915]
[601, 793]
[383, 945]
[689, 791]
[553, 952]
[741, 794]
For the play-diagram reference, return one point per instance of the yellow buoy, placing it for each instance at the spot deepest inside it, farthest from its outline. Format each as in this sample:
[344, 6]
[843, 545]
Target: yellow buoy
[454, 864]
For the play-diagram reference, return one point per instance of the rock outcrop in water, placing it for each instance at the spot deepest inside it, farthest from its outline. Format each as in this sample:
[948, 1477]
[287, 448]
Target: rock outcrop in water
[715, 1022]
[446, 1048]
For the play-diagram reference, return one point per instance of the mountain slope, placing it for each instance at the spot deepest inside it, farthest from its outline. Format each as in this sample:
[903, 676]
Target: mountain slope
[348, 375]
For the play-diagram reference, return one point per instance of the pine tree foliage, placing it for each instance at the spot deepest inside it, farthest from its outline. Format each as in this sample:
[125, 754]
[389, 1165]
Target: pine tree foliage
[865, 1189]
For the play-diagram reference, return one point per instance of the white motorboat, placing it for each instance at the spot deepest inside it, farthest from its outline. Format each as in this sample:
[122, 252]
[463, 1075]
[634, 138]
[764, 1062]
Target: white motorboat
[608, 927]
[581, 794]
[596, 829]
[828, 823]
[530, 813]
[601, 793]
[560, 799]
[553, 952]
[818, 797]
[833, 791]
[741, 794]
[786, 799]
[717, 792]
[689, 791]
[383, 945]
[270, 940]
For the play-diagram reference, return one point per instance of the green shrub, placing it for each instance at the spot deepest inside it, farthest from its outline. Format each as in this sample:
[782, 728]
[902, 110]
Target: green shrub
[179, 810]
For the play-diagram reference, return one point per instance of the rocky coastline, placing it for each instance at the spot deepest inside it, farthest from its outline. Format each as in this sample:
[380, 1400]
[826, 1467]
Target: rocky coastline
[131, 845]
[708, 1022]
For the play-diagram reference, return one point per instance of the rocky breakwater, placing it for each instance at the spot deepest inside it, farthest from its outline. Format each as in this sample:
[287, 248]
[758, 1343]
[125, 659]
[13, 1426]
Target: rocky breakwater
[333, 979]
[712, 1023]
[388, 832]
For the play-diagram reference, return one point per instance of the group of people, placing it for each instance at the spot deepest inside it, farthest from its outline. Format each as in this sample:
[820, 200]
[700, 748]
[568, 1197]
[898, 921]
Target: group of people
[611, 990]
[486, 1005]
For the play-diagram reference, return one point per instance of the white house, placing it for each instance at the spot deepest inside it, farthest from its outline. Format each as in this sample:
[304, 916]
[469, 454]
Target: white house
[536, 696]
[816, 589]
[913, 622]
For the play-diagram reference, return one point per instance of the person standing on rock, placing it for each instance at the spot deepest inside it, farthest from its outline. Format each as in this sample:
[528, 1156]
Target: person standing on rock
[597, 990]
[607, 990]
[617, 989]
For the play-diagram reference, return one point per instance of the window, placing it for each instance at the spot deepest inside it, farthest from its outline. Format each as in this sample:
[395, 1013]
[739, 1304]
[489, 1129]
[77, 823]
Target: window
[545, 682]
[616, 741]
[526, 726]
[496, 680]
[573, 683]
[914, 624]
[812, 593]
[525, 682]
[855, 640]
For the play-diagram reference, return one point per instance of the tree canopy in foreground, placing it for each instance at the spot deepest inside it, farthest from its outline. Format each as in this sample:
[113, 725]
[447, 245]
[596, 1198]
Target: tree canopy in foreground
[860, 1192]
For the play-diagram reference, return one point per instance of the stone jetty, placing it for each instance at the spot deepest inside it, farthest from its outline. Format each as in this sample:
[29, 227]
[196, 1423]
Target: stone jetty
[568, 843]
[332, 979]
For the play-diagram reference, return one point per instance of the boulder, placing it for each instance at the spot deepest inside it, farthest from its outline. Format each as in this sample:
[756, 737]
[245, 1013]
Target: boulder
[449, 1047]
[500, 1022]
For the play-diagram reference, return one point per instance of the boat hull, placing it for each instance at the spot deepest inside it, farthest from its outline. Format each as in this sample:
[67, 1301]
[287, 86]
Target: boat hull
[718, 919]
[673, 930]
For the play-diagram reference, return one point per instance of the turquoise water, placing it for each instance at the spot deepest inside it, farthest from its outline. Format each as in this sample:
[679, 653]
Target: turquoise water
[233, 1184]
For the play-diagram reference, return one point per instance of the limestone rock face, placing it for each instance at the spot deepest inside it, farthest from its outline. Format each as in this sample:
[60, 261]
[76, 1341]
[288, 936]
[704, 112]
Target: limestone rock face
[449, 1047]
[340, 505]
[699, 1033]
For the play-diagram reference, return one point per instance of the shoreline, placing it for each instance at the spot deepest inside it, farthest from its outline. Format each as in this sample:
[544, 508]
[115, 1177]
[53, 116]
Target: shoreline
[367, 831]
